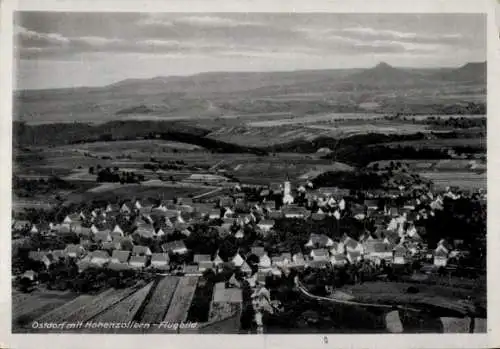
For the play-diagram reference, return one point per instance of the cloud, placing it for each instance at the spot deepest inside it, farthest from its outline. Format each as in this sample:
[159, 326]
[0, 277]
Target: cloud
[30, 38]
[368, 33]
[213, 21]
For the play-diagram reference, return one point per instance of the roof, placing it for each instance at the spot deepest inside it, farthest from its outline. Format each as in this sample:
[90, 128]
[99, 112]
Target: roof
[354, 254]
[137, 260]
[120, 255]
[159, 257]
[174, 245]
[197, 258]
[118, 266]
[74, 248]
[319, 239]
[102, 236]
[350, 243]
[37, 255]
[141, 250]
[320, 252]
[259, 251]
[317, 264]
[100, 254]
[266, 222]
[205, 264]
[376, 246]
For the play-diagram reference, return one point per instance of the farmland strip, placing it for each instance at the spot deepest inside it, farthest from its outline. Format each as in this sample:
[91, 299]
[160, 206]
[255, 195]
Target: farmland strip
[123, 311]
[88, 307]
[182, 300]
[157, 306]
[60, 313]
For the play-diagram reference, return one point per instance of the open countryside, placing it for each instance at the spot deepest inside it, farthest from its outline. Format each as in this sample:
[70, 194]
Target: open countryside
[326, 200]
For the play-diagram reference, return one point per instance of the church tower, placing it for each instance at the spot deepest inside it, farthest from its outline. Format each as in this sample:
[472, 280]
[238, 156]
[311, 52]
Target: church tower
[287, 192]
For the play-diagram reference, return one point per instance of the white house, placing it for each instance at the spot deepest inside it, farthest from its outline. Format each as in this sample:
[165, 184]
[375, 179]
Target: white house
[238, 260]
[320, 254]
[264, 261]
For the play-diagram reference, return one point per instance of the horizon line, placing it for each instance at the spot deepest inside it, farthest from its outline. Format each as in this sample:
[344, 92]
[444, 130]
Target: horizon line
[245, 71]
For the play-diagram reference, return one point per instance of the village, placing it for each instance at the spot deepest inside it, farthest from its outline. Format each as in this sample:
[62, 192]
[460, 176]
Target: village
[250, 237]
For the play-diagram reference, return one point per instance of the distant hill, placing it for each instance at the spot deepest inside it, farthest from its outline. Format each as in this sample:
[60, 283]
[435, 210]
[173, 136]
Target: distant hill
[470, 72]
[214, 94]
[384, 74]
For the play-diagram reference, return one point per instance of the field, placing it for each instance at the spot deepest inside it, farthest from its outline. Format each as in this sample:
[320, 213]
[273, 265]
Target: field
[464, 180]
[27, 307]
[181, 300]
[91, 307]
[479, 142]
[116, 192]
[168, 300]
[160, 300]
[451, 298]
[123, 311]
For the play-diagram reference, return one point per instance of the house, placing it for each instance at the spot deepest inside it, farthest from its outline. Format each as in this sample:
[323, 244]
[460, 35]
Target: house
[20, 225]
[318, 264]
[120, 256]
[259, 251]
[137, 261]
[264, 262]
[160, 232]
[83, 265]
[160, 260]
[318, 216]
[295, 212]
[214, 214]
[352, 245]
[245, 269]
[320, 254]
[117, 230]
[58, 254]
[99, 257]
[400, 255]
[74, 251]
[233, 282]
[110, 246]
[338, 260]
[319, 241]
[197, 258]
[440, 257]
[141, 251]
[102, 236]
[261, 276]
[275, 214]
[240, 234]
[93, 229]
[125, 209]
[175, 247]
[354, 256]
[34, 229]
[41, 256]
[217, 261]
[298, 260]
[205, 265]
[377, 249]
[276, 272]
[265, 225]
[30, 275]
[286, 258]
[238, 260]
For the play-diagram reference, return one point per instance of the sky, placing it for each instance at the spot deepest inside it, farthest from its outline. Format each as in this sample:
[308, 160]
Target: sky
[70, 49]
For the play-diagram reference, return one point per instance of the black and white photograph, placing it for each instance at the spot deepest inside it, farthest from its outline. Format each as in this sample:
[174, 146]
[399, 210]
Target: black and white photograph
[249, 173]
